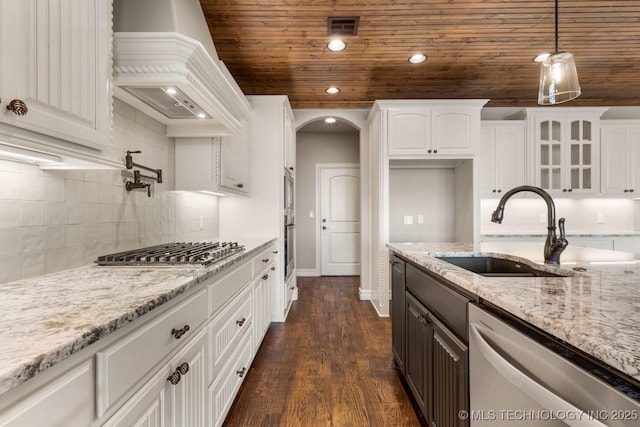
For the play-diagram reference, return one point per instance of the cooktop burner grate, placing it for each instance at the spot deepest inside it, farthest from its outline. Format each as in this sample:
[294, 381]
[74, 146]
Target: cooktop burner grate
[203, 253]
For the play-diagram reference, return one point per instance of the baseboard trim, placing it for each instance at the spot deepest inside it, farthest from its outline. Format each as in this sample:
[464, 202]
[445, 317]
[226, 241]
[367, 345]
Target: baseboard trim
[312, 272]
[365, 294]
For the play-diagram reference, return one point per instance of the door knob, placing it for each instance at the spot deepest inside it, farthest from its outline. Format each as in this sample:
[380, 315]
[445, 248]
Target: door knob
[324, 227]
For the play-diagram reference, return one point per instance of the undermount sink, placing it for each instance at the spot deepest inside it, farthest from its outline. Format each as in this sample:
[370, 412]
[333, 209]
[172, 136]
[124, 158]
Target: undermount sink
[496, 267]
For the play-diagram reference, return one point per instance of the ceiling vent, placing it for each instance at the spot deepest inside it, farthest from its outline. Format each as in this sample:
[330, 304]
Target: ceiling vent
[342, 26]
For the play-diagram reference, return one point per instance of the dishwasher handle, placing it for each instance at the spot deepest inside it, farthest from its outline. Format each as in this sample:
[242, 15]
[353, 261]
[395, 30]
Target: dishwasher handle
[537, 392]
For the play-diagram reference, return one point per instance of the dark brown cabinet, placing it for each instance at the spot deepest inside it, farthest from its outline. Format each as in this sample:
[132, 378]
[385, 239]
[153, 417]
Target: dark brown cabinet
[436, 359]
[397, 311]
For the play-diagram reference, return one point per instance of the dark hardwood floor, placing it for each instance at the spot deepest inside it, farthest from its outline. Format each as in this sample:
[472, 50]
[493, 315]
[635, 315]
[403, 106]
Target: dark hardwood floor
[329, 364]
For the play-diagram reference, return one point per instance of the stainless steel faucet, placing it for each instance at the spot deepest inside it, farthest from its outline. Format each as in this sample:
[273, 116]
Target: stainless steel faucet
[553, 246]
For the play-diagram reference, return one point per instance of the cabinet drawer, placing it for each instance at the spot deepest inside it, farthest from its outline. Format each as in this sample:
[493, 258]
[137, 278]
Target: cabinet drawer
[123, 364]
[263, 260]
[223, 392]
[226, 330]
[221, 291]
[66, 402]
[447, 304]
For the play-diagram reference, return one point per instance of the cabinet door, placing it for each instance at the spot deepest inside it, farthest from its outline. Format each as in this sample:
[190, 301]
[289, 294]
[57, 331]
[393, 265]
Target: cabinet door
[510, 157]
[409, 132]
[235, 161]
[486, 161]
[449, 377]
[149, 407]
[452, 131]
[581, 164]
[66, 402]
[417, 341]
[614, 160]
[548, 145]
[55, 57]
[189, 394]
[633, 160]
[398, 311]
[289, 143]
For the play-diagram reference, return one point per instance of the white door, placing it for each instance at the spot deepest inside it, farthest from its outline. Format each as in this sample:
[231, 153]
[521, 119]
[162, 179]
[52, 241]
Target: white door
[340, 221]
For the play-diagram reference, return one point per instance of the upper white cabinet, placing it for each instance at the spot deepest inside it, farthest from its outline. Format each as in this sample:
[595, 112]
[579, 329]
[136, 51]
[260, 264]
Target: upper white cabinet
[289, 142]
[432, 128]
[219, 164]
[501, 158]
[55, 65]
[566, 149]
[620, 150]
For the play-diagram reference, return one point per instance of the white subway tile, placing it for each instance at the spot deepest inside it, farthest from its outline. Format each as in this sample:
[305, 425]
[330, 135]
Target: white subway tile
[55, 260]
[55, 213]
[10, 241]
[32, 213]
[10, 213]
[11, 185]
[74, 235]
[55, 237]
[32, 264]
[9, 268]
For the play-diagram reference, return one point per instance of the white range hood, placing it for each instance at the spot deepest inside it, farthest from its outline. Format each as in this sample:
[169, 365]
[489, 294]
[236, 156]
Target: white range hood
[165, 64]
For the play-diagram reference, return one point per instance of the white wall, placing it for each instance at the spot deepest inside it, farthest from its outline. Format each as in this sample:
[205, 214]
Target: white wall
[313, 148]
[56, 220]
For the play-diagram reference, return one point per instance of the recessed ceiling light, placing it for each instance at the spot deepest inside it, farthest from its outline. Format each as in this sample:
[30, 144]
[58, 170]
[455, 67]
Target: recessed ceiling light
[171, 91]
[336, 45]
[332, 90]
[202, 115]
[330, 120]
[417, 58]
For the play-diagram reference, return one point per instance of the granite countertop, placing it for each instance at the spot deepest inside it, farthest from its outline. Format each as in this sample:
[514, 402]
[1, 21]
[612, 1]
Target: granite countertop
[596, 311]
[48, 318]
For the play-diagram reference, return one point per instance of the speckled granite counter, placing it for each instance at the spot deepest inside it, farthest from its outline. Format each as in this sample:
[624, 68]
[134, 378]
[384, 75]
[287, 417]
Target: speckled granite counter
[48, 318]
[597, 311]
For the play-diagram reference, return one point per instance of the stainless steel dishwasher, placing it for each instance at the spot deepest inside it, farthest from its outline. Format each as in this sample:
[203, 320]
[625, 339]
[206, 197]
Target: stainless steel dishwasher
[516, 380]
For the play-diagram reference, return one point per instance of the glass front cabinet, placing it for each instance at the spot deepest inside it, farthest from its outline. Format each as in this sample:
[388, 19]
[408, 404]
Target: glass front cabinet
[566, 151]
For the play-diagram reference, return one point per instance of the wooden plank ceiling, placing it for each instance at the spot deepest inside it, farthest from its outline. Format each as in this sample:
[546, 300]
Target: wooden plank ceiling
[475, 48]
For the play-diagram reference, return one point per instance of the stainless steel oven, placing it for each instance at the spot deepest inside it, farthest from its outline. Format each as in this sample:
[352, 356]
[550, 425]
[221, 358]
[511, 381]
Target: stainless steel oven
[289, 225]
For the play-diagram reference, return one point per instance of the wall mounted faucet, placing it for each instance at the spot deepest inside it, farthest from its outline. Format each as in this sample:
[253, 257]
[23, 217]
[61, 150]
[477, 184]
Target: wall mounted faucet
[137, 176]
[553, 246]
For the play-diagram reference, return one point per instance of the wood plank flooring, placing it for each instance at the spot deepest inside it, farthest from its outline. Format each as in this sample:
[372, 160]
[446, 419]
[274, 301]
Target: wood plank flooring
[329, 364]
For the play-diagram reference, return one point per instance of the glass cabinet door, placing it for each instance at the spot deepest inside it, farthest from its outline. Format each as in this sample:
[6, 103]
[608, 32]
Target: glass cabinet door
[580, 159]
[550, 154]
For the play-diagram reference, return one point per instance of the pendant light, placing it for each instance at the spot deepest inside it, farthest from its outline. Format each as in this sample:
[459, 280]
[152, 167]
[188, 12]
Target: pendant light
[558, 75]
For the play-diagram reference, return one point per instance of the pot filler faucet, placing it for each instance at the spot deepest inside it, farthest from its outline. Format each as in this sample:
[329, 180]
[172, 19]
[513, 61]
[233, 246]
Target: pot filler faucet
[553, 246]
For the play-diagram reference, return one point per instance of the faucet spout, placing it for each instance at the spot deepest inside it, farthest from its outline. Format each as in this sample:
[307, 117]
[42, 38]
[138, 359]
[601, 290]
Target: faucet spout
[553, 246]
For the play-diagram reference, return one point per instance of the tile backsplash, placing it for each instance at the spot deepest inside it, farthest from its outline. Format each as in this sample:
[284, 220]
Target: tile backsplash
[583, 216]
[53, 220]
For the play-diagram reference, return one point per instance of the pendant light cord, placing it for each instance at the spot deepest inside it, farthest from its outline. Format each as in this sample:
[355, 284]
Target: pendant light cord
[556, 26]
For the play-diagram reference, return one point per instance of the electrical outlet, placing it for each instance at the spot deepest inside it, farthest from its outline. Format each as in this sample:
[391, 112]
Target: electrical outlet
[408, 219]
[420, 219]
[600, 218]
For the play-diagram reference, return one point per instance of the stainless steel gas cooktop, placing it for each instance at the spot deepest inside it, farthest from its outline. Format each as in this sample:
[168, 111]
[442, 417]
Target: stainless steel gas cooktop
[198, 253]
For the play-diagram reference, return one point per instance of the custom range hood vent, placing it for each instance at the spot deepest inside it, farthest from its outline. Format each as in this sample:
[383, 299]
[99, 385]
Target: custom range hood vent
[165, 64]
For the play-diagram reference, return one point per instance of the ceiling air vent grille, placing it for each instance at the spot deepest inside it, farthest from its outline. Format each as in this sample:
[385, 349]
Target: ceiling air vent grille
[342, 26]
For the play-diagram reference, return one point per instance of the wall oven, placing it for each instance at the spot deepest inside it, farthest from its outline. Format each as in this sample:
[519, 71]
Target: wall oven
[289, 225]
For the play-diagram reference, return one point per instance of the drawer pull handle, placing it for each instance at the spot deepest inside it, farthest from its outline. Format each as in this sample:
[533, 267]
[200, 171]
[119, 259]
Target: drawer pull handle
[265, 277]
[273, 269]
[17, 107]
[183, 369]
[177, 333]
[174, 378]
[266, 260]
[241, 372]
[275, 252]
[241, 322]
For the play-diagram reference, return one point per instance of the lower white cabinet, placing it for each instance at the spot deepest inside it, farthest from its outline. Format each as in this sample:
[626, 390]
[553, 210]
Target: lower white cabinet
[180, 367]
[174, 396]
[225, 387]
[66, 402]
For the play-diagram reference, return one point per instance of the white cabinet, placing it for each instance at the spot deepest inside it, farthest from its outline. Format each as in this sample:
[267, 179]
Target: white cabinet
[55, 57]
[262, 214]
[566, 149]
[175, 394]
[501, 158]
[620, 148]
[289, 142]
[66, 402]
[219, 164]
[432, 128]
[627, 244]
